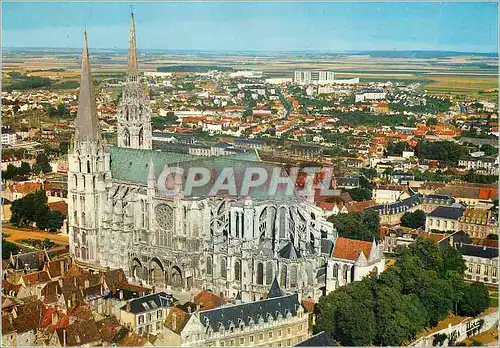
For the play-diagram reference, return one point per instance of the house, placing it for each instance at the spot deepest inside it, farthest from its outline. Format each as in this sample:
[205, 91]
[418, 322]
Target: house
[444, 219]
[395, 237]
[391, 213]
[478, 223]
[432, 201]
[481, 260]
[146, 314]
[481, 165]
[389, 193]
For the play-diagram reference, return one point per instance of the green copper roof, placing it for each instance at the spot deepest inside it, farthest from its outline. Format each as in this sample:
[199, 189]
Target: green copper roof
[132, 164]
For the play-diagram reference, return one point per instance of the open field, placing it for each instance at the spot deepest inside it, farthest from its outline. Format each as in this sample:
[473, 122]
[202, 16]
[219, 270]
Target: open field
[16, 235]
[456, 75]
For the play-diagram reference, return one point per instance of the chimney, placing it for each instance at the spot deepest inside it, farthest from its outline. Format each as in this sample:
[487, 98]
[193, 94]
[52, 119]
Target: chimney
[189, 309]
[121, 294]
[55, 318]
[75, 282]
[127, 306]
[64, 338]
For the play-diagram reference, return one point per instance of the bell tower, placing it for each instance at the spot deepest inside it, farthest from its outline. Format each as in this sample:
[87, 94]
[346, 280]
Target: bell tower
[89, 171]
[134, 114]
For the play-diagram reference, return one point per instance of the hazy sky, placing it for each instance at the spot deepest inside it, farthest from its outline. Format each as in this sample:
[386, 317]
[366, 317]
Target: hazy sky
[471, 27]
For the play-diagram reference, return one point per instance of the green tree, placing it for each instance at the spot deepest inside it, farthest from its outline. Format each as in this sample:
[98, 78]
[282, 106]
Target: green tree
[25, 168]
[489, 150]
[413, 219]
[42, 164]
[8, 248]
[357, 225]
[360, 194]
[474, 300]
[31, 209]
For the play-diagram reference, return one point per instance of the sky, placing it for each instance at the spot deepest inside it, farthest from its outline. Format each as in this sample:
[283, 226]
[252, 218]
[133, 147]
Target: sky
[236, 26]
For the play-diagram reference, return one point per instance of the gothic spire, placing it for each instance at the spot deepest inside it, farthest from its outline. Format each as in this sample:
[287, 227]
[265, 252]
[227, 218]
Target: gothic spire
[86, 123]
[132, 67]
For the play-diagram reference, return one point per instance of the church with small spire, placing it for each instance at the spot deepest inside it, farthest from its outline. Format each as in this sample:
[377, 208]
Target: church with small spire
[237, 246]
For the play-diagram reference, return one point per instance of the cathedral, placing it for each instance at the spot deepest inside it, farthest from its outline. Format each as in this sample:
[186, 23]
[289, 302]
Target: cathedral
[229, 244]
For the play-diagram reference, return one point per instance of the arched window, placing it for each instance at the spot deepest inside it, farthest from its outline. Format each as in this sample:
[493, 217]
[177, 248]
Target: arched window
[282, 222]
[336, 270]
[260, 273]
[345, 272]
[84, 253]
[269, 272]
[80, 165]
[284, 275]
[93, 183]
[237, 270]
[209, 265]
[293, 276]
[126, 137]
[88, 166]
[75, 180]
[83, 222]
[223, 268]
[141, 137]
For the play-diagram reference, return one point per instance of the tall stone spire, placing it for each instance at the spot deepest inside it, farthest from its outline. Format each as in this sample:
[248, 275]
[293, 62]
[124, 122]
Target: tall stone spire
[86, 123]
[132, 67]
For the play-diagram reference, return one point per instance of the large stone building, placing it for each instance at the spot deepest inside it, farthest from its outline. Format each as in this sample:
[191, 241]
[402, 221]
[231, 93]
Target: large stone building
[120, 218]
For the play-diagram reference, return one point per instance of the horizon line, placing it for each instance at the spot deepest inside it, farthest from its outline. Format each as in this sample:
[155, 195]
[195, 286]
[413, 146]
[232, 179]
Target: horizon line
[253, 50]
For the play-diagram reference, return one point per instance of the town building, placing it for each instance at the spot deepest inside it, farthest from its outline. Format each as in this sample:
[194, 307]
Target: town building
[278, 320]
[8, 136]
[478, 223]
[307, 77]
[146, 314]
[444, 219]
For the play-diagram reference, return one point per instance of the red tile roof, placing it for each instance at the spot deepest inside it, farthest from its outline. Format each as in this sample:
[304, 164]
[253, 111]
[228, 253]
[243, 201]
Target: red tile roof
[60, 206]
[208, 300]
[487, 193]
[308, 304]
[349, 249]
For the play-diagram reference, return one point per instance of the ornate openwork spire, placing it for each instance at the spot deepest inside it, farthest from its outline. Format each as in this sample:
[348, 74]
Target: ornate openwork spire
[132, 67]
[86, 123]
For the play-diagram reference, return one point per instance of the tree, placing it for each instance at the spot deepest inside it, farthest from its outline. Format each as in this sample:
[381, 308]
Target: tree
[25, 168]
[31, 209]
[360, 194]
[8, 248]
[42, 164]
[432, 121]
[489, 150]
[362, 226]
[413, 219]
[63, 147]
[475, 299]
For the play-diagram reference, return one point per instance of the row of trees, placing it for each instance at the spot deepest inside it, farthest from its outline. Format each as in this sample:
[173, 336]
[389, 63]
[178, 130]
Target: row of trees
[34, 209]
[420, 289]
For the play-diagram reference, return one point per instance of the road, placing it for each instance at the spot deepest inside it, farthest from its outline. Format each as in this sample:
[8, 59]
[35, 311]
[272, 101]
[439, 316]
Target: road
[17, 234]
